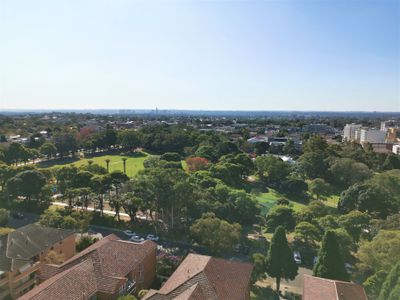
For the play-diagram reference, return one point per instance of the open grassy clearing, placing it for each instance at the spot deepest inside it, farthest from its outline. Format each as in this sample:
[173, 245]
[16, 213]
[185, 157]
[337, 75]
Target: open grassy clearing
[134, 163]
[332, 201]
[268, 200]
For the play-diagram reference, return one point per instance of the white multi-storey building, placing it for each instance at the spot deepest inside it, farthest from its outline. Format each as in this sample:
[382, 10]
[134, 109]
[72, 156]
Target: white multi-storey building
[390, 124]
[396, 149]
[372, 136]
[349, 132]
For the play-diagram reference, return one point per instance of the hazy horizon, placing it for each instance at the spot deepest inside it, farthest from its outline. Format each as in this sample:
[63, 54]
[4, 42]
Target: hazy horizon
[200, 55]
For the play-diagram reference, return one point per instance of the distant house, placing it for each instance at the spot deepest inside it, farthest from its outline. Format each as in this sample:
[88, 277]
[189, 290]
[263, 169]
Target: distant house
[202, 277]
[258, 139]
[105, 270]
[316, 288]
[22, 253]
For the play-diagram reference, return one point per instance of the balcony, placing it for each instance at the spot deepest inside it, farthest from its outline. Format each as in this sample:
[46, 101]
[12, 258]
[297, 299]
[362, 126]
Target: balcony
[3, 281]
[4, 293]
[17, 289]
[33, 268]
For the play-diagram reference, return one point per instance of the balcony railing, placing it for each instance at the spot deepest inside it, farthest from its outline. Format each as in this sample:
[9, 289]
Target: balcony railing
[33, 268]
[3, 281]
[19, 288]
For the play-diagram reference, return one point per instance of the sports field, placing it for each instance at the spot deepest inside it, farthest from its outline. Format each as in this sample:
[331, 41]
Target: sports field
[134, 163]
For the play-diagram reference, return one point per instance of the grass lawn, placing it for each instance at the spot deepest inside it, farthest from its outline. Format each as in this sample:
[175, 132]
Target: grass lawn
[332, 201]
[5, 230]
[134, 163]
[268, 200]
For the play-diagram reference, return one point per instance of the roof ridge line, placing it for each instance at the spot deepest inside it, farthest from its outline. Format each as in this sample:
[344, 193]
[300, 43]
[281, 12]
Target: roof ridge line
[336, 290]
[55, 276]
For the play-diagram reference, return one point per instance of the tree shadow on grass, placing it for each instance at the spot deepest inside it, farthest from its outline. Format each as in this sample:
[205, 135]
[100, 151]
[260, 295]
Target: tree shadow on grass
[57, 162]
[263, 293]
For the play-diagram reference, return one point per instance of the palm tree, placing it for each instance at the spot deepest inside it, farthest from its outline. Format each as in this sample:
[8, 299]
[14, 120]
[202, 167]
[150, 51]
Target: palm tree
[108, 164]
[124, 162]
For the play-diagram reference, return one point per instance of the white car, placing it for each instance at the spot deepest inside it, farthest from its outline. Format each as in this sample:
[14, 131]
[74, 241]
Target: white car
[129, 233]
[152, 237]
[136, 239]
[297, 257]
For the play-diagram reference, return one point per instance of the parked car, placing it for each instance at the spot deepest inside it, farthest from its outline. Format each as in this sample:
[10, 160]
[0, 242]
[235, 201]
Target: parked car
[152, 237]
[129, 233]
[297, 257]
[136, 239]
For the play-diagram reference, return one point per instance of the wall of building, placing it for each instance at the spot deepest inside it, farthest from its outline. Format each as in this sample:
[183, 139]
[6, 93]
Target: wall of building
[145, 274]
[65, 247]
[372, 136]
[20, 283]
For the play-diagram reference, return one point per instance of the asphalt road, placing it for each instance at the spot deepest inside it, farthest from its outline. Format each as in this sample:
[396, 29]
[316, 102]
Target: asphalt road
[173, 247]
[28, 218]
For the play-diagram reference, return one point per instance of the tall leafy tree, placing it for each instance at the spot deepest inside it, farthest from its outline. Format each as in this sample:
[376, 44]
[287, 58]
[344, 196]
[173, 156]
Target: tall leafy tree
[131, 204]
[217, 235]
[318, 187]
[370, 198]
[100, 185]
[48, 149]
[346, 172]
[391, 286]
[381, 253]
[259, 268]
[280, 261]
[330, 263]
[272, 168]
[27, 183]
[280, 215]
[307, 231]
[129, 139]
[66, 142]
[355, 222]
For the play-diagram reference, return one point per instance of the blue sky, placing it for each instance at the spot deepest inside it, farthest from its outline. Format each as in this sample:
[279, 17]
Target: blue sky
[239, 55]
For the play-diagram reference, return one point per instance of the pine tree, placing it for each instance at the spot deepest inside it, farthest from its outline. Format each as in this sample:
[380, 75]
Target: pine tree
[280, 262]
[391, 286]
[330, 263]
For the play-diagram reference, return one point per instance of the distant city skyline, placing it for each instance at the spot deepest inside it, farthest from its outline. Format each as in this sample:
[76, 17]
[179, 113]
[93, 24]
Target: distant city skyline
[289, 55]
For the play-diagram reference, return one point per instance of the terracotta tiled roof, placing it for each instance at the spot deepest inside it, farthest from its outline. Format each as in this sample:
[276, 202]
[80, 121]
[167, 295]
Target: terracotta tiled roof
[109, 261]
[316, 288]
[81, 277]
[192, 293]
[202, 277]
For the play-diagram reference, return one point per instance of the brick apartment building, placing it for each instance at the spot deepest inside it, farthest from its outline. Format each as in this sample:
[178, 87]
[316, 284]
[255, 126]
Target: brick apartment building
[316, 288]
[105, 270]
[201, 277]
[22, 253]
